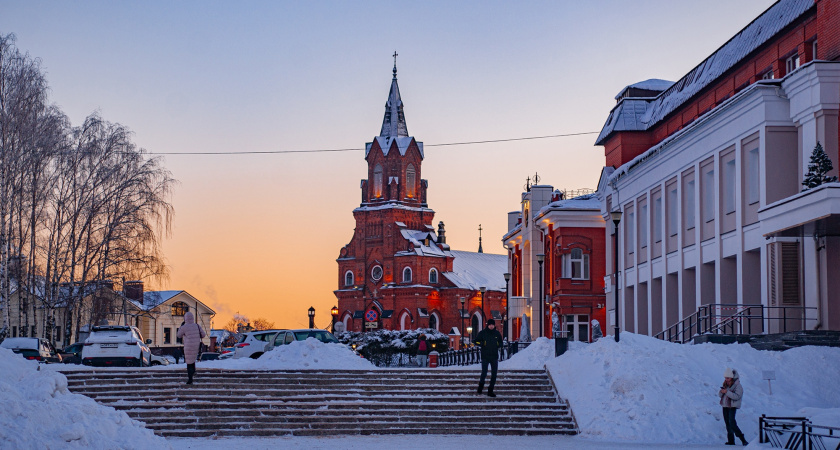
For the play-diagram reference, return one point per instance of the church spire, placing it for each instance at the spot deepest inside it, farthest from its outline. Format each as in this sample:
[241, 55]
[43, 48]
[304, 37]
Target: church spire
[393, 124]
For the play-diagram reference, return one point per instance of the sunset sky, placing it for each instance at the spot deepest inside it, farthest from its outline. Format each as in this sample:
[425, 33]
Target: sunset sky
[259, 234]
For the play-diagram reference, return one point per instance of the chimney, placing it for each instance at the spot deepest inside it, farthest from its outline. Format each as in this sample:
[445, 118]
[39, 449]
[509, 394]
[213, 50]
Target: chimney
[133, 290]
[107, 284]
[441, 233]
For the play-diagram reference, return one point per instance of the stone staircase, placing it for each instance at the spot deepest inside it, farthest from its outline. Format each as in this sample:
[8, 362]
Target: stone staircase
[329, 402]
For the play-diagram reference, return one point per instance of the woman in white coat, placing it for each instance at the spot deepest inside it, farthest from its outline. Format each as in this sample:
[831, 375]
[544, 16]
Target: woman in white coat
[192, 334]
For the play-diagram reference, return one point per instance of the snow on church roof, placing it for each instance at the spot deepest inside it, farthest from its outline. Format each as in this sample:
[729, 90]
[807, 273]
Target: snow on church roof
[473, 270]
[385, 143]
[394, 128]
[639, 115]
[417, 239]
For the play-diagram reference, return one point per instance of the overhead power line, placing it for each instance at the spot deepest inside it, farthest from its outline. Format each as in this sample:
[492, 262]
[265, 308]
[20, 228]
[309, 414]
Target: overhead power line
[274, 152]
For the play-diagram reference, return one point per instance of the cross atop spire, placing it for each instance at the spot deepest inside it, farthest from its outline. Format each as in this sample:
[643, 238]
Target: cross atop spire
[393, 125]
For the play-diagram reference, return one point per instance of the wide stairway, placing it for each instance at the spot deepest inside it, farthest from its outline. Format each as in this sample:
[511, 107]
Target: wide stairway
[329, 402]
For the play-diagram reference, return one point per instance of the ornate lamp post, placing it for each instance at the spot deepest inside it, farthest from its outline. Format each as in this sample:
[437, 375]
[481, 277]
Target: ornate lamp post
[311, 317]
[616, 218]
[507, 304]
[469, 332]
[334, 312]
[540, 259]
[463, 300]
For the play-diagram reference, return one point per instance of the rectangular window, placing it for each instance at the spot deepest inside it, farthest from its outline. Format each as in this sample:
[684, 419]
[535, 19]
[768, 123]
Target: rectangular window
[631, 232]
[672, 211]
[167, 335]
[752, 176]
[14, 332]
[643, 229]
[709, 196]
[657, 220]
[814, 50]
[58, 334]
[729, 187]
[689, 205]
[769, 75]
[34, 331]
[792, 63]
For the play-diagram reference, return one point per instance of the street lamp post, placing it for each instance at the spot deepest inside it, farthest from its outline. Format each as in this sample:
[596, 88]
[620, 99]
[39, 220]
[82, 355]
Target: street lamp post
[540, 259]
[469, 332]
[616, 218]
[334, 312]
[463, 300]
[483, 312]
[507, 303]
[311, 317]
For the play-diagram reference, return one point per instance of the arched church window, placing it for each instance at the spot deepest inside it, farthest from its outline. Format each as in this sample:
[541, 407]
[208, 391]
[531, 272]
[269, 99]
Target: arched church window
[407, 275]
[433, 276]
[405, 321]
[179, 308]
[377, 181]
[349, 279]
[410, 175]
[434, 321]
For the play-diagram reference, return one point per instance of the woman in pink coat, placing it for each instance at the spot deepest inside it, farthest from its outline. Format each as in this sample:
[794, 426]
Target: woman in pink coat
[192, 334]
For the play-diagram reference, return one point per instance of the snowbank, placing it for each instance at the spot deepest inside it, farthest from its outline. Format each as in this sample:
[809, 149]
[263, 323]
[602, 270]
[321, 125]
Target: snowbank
[645, 389]
[298, 355]
[535, 355]
[37, 411]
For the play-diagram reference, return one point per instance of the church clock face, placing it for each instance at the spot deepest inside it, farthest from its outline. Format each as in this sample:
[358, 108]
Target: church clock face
[376, 273]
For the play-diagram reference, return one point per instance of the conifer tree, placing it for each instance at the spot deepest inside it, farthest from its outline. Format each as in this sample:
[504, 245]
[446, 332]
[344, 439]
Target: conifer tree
[818, 167]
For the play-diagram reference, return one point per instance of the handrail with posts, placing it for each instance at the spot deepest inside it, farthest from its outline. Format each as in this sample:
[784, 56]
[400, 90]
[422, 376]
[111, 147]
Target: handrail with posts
[746, 319]
[472, 355]
[797, 433]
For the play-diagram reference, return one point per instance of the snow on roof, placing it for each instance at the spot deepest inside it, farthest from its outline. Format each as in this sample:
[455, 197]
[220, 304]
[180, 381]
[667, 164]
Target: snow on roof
[653, 84]
[403, 142]
[152, 299]
[582, 202]
[392, 206]
[748, 40]
[473, 270]
[417, 239]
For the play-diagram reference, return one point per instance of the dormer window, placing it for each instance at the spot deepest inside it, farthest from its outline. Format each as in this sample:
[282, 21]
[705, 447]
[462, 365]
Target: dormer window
[406, 275]
[410, 177]
[377, 181]
[433, 276]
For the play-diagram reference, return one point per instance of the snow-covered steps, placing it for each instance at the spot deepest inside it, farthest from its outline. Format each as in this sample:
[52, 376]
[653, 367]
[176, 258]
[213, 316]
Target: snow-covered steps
[329, 402]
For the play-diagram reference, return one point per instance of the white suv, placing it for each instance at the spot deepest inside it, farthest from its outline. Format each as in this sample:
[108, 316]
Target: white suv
[116, 345]
[254, 343]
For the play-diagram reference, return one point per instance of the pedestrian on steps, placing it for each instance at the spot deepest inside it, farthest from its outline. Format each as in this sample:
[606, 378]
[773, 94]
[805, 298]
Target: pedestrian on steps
[422, 351]
[192, 334]
[730, 399]
[490, 341]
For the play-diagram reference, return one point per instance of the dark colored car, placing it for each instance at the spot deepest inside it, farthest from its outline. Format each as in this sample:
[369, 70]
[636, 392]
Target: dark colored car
[208, 356]
[72, 354]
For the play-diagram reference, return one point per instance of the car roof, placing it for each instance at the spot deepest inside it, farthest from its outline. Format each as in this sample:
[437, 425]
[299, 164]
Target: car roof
[309, 329]
[112, 328]
[266, 331]
[20, 342]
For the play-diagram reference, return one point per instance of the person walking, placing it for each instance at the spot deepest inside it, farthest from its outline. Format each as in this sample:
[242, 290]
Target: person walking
[730, 399]
[192, 334]
[422, 351]
[490, 340]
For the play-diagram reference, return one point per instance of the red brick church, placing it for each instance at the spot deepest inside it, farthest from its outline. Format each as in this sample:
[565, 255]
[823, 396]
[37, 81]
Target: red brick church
[397, 272]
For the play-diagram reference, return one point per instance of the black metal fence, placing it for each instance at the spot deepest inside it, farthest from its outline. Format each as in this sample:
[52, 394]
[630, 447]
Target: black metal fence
[797, 433]
[472, 355]
[730, 318]
[393, 359]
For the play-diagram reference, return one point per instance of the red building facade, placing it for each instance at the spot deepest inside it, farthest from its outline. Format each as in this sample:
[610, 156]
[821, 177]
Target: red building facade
[398, 272]
[561, 242]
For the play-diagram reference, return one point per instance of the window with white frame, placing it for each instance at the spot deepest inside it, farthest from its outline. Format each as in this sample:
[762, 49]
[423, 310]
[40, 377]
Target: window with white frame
[657, 220]
[576, 265]
[349, 278]
[814, 50]
[643, 228]
[729, 187]
[406, 275]
[753, 176]
[631, 232]
[433, 276]
[792, 63]
[672, 211]
[769, 75]
[689, 205]
[709, 195]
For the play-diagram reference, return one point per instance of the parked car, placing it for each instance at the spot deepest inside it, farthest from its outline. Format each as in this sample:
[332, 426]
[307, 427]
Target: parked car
[116, 345]
[306, 333]
[159, 360]
[32, 348]
[254, 343]
[208, 356]
[72, 354]
[227, 352]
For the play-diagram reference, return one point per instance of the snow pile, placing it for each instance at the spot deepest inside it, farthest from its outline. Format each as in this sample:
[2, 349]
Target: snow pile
[39, 412]
[298, 355]
[645, 389]
[534, 356]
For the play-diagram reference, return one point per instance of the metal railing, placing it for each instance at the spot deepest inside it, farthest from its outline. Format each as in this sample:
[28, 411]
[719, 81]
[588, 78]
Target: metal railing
[797, 433]
[393, 359]
[472, 355]
[731, 318]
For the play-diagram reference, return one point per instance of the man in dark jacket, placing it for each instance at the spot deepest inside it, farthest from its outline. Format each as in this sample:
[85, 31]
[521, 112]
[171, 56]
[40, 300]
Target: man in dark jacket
[490, 340]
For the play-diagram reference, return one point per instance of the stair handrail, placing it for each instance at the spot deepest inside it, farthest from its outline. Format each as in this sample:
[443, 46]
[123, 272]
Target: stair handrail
[799, 431]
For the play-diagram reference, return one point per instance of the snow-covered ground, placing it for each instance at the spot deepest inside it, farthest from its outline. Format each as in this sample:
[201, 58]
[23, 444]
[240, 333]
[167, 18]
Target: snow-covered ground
[643, 389]
[37, 411]
[637, 393]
